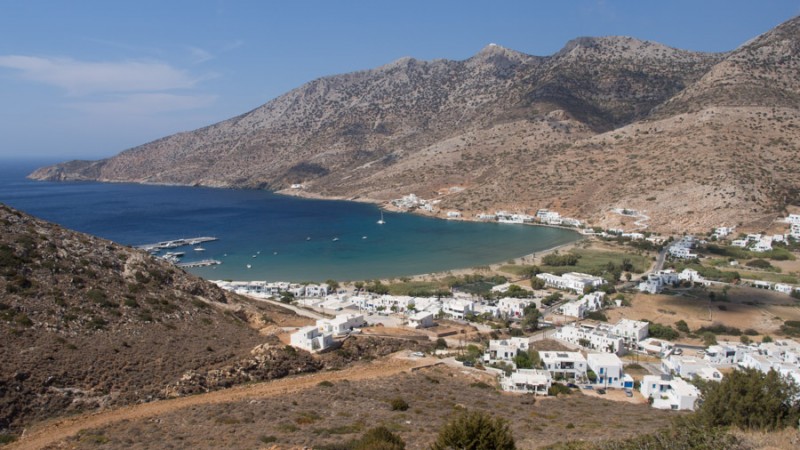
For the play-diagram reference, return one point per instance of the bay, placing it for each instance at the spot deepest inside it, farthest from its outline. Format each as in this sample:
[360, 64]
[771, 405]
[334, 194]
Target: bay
[279, 237]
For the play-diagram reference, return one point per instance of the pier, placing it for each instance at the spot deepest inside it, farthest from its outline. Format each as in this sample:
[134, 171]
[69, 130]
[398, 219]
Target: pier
[203, 263]
[175, 243]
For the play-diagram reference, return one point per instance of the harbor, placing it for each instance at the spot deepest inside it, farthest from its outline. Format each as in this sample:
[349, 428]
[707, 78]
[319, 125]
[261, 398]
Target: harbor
[153, 248]
[202, 263]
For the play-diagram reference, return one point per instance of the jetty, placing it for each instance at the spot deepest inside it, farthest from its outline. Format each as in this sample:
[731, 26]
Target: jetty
[175, 243]
[203, 263]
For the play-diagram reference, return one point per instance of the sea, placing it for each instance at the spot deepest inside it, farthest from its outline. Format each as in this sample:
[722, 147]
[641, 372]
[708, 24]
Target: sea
[265, 236]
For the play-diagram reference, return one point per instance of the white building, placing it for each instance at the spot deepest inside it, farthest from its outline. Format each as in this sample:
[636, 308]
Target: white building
[588, 303]
[655, 282]
[453, 214]
[692, 276]
[687, 367]
[311, 339]
[566, 365]
[608, 369]
[317, 290]
[597, 338]
[631, 331]
[458, 308]
[721, 232]
[669, 393]
[548, 217]
[572, 281]
[341, 324]
[793, 219]
[527, 381]
[513, 307]
[739, 243]
[422, 319]
[795, 231]
[505, 349]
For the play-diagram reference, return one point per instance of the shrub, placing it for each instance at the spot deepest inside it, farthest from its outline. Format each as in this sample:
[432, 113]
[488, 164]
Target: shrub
[398, 404]
[379, 438]
[325, 383]
[750, 400]
[558, 388]
[759, 264]
[475, 431]
[682, 326]
[666, 332]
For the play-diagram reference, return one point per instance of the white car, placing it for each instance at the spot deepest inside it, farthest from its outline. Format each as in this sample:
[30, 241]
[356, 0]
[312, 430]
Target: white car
[418, 354]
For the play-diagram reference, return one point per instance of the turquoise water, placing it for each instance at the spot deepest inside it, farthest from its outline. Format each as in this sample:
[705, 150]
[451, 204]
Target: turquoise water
[292, 239]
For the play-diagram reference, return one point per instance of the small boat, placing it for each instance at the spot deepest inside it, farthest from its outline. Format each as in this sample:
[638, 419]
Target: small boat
[363, 237]
[258, 252]
[381, 222]
[274, 253]
[199, 249]
[335, 239]
[249, 266]
[254, 256]
[308, 238]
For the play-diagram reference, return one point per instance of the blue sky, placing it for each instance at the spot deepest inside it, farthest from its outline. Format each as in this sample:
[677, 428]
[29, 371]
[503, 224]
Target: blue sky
[88, 79]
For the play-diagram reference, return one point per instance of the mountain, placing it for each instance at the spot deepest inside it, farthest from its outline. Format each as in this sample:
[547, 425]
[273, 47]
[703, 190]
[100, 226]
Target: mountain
[87, 323]
[694, 139]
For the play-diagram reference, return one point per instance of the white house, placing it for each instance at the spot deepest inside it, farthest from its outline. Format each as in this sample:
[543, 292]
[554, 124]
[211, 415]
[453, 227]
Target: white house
[513, 307]
[598, 338]
[548, 217]
[608, 368]
[527, 380]
[721, 232]
[453, 214]
[739, 243]
[505, 349]
[687, 367]
[567, 365]
[793, 219]
[341, 324]
[722, 354]
[458, 307]
[795, 231]
[669, 393]
[311, 339]
[588, 303]
[572, 281]
[655, 282]
[631, 331]
[422, 319]
[317, 290]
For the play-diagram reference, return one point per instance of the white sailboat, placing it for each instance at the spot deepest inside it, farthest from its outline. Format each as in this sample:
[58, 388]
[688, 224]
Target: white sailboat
[381, 222]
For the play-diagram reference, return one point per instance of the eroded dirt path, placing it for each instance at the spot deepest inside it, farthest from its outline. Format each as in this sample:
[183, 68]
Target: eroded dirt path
[53, 431]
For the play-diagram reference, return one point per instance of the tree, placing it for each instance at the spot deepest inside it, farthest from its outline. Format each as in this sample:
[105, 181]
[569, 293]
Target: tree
[332, 284]
[530, 318]
[537, 283]
[475, 430]
[358, 285]
[523, 360]
[681, 325]
[751, 400]
[441, 343]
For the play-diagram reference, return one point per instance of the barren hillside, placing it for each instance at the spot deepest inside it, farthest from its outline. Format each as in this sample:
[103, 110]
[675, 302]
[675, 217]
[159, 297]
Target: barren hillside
[694, 139]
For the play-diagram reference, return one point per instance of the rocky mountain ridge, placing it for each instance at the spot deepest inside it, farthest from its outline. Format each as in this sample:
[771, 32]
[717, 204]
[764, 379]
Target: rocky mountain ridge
[605, 122]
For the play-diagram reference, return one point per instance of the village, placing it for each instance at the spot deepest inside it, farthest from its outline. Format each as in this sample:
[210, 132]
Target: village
[554, 331]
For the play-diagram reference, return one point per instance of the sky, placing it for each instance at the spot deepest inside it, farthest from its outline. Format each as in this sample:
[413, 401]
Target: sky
[87, 79]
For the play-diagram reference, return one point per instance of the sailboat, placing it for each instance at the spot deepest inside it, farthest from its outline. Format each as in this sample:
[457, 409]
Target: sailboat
[381, 222]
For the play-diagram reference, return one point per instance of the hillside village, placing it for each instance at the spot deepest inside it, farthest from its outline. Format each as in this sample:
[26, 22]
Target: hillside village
[570, 309]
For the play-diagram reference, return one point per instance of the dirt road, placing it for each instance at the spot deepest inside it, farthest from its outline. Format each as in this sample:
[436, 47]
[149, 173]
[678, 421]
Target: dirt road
[53, 431]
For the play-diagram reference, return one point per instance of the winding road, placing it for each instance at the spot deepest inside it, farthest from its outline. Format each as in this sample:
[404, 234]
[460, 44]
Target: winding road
[53, 431]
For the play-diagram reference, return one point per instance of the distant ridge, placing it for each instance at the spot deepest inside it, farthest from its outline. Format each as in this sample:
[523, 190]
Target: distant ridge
[696, 139]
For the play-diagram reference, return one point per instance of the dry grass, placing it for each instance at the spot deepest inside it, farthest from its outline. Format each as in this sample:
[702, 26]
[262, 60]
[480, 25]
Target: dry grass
[329, 414]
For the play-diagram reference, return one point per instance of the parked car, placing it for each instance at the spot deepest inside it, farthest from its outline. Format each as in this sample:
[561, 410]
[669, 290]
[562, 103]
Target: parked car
[628, 393]
[469, 364]
[588, 387]
[601, 391]
[418, 354]
[572, 385]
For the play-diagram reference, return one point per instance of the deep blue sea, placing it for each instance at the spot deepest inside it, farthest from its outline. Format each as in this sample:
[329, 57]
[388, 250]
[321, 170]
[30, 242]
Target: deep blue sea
[273, 228]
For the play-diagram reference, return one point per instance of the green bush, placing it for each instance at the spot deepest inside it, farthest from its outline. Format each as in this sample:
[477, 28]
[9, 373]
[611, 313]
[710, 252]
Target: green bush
[750, 400]
[475, 431]
[379, 438]
[682, 326]
[666, 332]
[398, 404]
